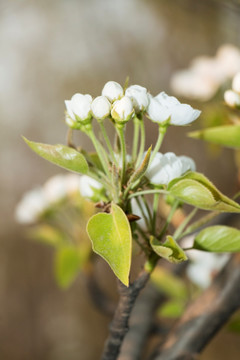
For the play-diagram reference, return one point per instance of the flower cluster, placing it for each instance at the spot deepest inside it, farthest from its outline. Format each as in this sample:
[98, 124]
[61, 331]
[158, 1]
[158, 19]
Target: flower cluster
[35, 202]
[232, 97]
[206, 74]
[122, 105]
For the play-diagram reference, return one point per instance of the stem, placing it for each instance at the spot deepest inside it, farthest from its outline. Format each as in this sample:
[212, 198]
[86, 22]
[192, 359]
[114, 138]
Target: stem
[142, 144]
[99, 150]
[120, 130]
[136, 123]
[161, 134]
[169, 218]
[119, 325]
[147, 192]
[199, 223]
[155, 210]
[182, 226]
[108, 143]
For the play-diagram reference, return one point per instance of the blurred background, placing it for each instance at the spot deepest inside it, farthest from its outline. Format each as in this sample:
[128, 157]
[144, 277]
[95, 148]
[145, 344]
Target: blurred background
[49, 51]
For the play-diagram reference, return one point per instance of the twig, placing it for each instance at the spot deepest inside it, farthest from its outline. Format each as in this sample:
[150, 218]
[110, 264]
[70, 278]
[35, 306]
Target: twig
[204, 317]
[119, 325]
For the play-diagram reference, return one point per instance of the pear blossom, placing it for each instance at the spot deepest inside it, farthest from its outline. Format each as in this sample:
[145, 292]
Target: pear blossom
[163, 107]
[36, 201]
[236, 83]
[89, 187]
[166, 167]
[101, 107]
[139, 96]
[32, 204]
[232, 98]
[203, 265]
[59, 186]
[112, 90]
[79, 108]
[122, 110]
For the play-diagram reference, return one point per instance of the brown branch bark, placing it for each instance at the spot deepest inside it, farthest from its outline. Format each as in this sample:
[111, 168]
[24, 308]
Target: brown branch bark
[204, 317]
[119, 325]
[141, 322]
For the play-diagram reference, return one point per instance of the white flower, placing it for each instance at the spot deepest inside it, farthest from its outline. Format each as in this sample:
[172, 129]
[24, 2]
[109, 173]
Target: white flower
[59, 186]
[228, 56]
[204, 265]
[193, 85]
[236, 83]
[122, 109]
[79, 107]
[166, 167]
[163, 107]
[139, 97]
[101, 107]
[31, 206]
[232, 98]
[112, 90]
[88, 186]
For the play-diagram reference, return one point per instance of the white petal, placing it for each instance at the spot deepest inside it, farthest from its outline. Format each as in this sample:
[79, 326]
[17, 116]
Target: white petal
[183, 114]
[112, 90]
[166, 100]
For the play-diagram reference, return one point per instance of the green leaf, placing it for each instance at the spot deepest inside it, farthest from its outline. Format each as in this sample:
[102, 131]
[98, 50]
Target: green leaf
[218, 239]
[169, 250]
[47, 234]
[170, 284]
[172, 309]
[228, 135]
[61, 155]
[112, 239]
[68, 263]
[195, 189]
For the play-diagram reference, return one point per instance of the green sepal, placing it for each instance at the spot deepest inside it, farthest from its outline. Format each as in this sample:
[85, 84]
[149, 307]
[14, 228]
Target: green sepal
[195, 189]
[112, 239]
[169, 250]
[61, 155]
[139, 173]
[218, 238]
[227, 135]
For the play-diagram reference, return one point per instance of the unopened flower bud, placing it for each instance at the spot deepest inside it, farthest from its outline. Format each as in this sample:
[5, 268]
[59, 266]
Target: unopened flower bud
[232, 98]
[122, 110]
[79, 108]
[236, 83]
[112, 90]
[139, 97]
[101, 107]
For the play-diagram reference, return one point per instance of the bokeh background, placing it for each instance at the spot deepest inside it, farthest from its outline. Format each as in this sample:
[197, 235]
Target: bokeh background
[48, 51]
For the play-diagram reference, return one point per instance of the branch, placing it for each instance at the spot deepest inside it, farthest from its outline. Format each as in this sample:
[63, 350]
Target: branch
[204, 317]
[119, 325]
[141, 322]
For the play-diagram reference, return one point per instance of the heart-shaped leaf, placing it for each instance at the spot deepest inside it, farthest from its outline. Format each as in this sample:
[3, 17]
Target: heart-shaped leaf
[228, 135]
[60, 155]
[195, 189]
[112, 239]
[169, 250]
[218, 239]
